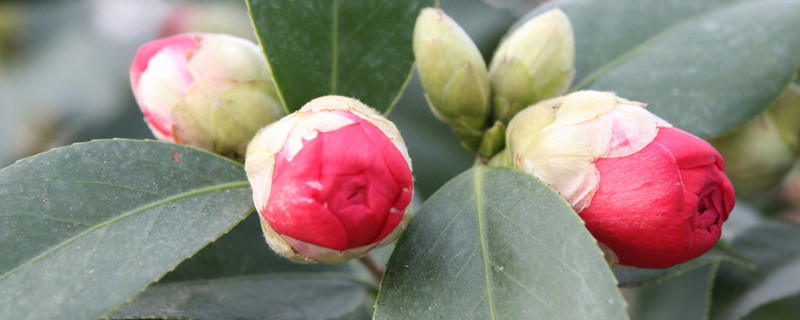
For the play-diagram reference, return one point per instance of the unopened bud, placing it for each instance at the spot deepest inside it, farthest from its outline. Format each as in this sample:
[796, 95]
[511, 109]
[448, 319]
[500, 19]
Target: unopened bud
[331, 181]
[761, 152]
[210, 91]
[536, 62]
[653, 194]
[453, 75]
[493, 140]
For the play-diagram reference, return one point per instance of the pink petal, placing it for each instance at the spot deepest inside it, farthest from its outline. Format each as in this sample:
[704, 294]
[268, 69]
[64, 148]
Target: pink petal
[339, 189]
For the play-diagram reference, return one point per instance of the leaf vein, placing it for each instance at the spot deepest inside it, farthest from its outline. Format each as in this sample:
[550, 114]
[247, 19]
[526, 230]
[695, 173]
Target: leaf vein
[231, 185]
[482, 237]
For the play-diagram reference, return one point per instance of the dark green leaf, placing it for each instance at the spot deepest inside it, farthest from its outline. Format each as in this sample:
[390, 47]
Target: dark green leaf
[722, 253]
[86, 227]
[686, 297]
[786, 309]
[360, 49]
[773, 246]
[242, 252]
[705, 66]
[220, 280]
[307, 296]
[496, 243]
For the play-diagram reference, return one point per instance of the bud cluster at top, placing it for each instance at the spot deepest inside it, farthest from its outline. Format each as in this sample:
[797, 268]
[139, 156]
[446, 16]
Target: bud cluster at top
[535, 62]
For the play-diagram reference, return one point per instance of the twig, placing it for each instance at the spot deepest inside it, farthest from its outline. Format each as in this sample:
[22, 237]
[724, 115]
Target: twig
[374, 267]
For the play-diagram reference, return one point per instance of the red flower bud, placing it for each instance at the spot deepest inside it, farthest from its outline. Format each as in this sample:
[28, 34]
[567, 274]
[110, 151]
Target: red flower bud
[663, 205]
[654, 195]
[330, 181]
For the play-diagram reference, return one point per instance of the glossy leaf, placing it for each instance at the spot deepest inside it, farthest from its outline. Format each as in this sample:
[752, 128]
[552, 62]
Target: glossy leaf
[243, 252]
[705, 66]
[360, 49]
[786, 309]
[686, 297]
[496, 243]
[773, 246]
[240, 277]
[310, 296]
[722, 253]
[85, 228]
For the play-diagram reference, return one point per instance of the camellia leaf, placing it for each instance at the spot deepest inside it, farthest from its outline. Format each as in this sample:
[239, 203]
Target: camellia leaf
[685, 297]
[238, 298]
[497, 244]
[87, 227]
[240, 277]
[360, 49]
[773, 246]
[722, 253]
[322, 298]
[705, 66]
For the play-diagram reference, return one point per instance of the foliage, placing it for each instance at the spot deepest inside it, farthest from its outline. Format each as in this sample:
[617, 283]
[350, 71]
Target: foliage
[142, 229]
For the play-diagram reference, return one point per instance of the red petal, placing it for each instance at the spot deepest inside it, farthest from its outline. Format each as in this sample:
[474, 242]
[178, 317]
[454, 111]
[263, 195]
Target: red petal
[646, 206]
[339, 190]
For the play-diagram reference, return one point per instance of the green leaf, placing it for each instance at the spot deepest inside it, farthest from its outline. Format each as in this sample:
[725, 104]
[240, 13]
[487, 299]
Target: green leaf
[85, 228]
[773, 246]
[705, 66]
[240, 277]
[686, 297]
[722, 253]
[496, 243]
[360, 49]
[785, 309]
[243, 252]
[310, 296]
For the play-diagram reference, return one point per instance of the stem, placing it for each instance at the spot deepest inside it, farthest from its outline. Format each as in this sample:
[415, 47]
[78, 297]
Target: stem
[374, 267]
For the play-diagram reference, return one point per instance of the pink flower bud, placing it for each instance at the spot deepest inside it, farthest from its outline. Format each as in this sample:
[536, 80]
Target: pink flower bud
[331, 181]
[211, 91]
[653, 194]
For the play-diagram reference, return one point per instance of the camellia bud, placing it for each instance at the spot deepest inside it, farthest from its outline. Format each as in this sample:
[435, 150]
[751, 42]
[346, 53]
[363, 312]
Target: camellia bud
[331, 181]
[536, 62]
[761, 152]
[453, 74]
[653, 194]
[210, 91]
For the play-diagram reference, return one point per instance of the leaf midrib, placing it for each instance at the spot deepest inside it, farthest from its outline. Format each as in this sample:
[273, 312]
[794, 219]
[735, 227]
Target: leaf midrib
[193, 192]
[482, 238]
[634, 52]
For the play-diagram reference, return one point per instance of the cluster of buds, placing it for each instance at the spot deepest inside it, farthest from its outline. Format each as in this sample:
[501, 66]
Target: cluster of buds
[535, 62]
[652, 194]
[211, 91]
[331, 181]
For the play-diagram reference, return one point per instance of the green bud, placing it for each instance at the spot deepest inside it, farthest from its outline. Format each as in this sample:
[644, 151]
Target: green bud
[453, 75]
[493, 140]
[502, 160]
[536, 62]
[760, 153]
[222, 115]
